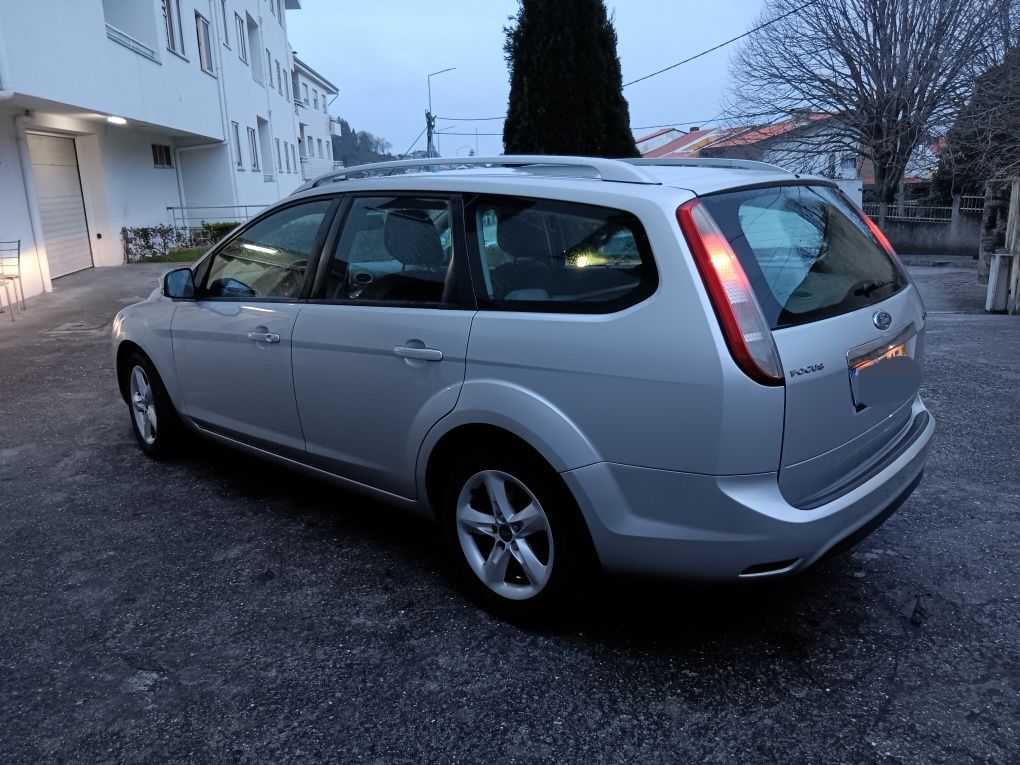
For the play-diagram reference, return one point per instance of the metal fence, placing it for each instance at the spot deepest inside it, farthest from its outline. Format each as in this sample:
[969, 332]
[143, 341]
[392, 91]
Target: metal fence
[912, 212]
[972, 203]
[194, 217]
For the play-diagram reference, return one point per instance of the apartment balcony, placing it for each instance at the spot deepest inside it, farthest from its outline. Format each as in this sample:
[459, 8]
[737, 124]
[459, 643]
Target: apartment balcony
[313, 167]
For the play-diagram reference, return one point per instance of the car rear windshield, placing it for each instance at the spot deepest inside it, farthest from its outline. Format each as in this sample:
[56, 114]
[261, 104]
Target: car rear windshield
[806, 250]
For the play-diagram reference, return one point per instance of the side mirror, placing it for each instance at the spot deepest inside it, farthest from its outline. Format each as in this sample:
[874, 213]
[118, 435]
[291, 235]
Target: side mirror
[179, 284]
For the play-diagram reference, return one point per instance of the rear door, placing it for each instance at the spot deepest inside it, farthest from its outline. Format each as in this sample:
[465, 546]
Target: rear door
[846, 321]
[379, 353]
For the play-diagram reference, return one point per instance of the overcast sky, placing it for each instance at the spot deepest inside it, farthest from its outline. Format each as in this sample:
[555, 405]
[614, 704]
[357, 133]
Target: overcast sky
[379, 54]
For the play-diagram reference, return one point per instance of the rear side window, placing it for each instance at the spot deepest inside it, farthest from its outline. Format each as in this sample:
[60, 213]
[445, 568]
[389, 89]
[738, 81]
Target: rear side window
[806, 251]
[543, 255]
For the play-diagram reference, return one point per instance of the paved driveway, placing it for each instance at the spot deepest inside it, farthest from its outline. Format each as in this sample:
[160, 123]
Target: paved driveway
[216, 609]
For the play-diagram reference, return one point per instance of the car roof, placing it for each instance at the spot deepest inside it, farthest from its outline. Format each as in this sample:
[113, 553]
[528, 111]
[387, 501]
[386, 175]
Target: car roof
[532, 175]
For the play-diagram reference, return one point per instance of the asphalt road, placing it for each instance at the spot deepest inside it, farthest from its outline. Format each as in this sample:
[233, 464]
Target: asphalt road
[216, 609]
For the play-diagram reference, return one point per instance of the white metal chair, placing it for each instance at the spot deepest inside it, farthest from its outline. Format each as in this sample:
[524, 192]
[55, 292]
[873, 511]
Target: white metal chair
[10, 273]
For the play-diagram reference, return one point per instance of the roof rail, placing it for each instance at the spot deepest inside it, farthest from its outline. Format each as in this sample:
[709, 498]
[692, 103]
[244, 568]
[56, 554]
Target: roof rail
[734, 164]
[604, 169]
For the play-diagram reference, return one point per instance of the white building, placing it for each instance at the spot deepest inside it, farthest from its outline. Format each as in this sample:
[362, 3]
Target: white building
[312, 96]
[115, 112]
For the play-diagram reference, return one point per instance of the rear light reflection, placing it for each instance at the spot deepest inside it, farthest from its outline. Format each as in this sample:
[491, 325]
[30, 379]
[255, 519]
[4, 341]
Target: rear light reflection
[747, 334]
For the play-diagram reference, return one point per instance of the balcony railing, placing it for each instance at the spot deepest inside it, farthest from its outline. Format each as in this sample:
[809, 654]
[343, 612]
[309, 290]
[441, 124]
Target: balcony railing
[119, 36]
[194, 217]
[313, 167]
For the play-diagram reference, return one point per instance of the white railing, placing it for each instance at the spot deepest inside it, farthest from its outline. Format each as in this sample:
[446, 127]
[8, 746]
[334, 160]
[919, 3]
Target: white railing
[313, 167]
[122, 37]
[911, 211]
[194, 217]
[972, 203]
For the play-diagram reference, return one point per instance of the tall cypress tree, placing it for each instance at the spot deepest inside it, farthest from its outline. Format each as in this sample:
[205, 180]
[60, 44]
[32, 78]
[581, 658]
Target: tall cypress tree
[566, 88]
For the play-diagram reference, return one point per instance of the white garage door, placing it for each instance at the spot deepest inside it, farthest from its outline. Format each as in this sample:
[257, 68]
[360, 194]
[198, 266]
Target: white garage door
[61, 209]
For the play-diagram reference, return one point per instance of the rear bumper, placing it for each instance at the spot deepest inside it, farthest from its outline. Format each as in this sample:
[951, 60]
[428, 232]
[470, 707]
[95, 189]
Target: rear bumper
[666, 523]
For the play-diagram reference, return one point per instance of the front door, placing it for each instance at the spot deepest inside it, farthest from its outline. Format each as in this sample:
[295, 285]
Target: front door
[379, 355]
[232, 346]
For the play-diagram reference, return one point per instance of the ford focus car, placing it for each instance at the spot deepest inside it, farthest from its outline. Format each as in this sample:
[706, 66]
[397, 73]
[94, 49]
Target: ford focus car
[703, 369]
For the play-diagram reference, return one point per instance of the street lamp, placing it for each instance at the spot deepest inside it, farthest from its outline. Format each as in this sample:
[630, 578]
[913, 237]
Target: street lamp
[430, 121]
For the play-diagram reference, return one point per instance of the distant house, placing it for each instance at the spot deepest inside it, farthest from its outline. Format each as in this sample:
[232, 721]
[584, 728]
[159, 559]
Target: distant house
[113, 113]
[817, 144]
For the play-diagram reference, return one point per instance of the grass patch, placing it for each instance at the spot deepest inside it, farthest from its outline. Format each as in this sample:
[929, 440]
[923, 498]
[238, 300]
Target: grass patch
[181, 255]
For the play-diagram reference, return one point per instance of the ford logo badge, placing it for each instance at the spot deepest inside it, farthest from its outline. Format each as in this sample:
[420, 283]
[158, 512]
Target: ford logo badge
[881, 319]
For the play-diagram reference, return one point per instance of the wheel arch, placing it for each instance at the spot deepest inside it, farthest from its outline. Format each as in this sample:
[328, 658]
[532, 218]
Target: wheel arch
[496, 412]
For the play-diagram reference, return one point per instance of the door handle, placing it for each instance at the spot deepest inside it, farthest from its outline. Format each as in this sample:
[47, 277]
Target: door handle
[262, 335]
[422, 354]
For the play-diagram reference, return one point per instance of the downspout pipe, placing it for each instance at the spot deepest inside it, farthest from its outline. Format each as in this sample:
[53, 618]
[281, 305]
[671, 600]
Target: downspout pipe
[6, 91]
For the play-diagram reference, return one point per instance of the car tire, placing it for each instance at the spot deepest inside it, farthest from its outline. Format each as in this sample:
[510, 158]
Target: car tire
[154, 420]
[527, 557]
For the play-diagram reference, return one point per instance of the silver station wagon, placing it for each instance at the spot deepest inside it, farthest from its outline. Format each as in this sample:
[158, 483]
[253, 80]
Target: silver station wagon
[704, 369]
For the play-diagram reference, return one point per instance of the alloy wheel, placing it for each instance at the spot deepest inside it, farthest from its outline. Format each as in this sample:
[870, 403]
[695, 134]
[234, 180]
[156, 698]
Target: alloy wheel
[504, 534]
[143, 406]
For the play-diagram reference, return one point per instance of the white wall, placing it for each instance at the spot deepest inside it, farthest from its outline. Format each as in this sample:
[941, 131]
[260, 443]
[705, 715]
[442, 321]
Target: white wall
[15, 222]
[59, 51]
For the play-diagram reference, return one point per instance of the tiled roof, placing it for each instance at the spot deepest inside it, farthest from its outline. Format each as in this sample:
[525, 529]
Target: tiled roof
[684, 146]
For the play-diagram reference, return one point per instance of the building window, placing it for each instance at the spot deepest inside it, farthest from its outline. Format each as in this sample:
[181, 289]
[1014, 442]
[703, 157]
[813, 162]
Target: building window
[161, 156]
[269, 68]
[172, 21]
[252, 31]
[293, 158]
[253, 148]
[319, 141]
[204, 43]
[226, 23]
[286, 90]
[286, 156]
[304, 89]
[242, 43]
[279, 10]
[315, 99]
[329, 150]
[237, 145]
[279, 77]
[279, 160]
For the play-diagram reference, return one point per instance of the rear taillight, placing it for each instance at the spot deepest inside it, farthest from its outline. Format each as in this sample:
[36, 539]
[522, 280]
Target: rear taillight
[747, 334]
[879, 236]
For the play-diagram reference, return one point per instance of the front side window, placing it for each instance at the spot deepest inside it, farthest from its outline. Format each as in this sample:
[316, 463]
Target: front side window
[806, 250]
[542, 255]
[395, 250]
[268, 259]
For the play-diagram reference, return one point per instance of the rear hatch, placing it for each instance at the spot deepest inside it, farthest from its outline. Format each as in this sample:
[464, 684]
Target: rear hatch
[847, 325]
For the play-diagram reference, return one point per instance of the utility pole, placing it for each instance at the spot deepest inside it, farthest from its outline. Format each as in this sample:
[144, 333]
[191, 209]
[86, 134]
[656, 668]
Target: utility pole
[430, 118]
[430, 127]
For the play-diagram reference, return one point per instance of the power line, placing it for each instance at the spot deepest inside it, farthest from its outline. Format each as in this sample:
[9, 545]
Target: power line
[413, 143]
[469, 119]
[448, 132]
[722, 44]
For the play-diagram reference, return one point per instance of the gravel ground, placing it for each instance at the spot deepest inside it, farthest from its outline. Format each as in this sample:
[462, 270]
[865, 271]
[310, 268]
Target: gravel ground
[216, 609]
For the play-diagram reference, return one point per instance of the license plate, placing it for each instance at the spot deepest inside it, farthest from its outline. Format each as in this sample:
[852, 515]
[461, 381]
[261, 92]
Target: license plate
[899, 350]
[886, 379]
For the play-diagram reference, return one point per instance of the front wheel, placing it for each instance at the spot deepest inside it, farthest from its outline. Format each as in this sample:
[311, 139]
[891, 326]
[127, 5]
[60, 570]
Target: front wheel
[518, 538]
[154, 420]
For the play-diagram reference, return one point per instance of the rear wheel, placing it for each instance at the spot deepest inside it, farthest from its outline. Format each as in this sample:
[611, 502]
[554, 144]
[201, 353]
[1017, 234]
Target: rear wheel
[518, 538]
[154, 420]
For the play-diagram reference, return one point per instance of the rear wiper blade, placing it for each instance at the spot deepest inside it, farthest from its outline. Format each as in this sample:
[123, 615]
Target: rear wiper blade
[866, 288]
